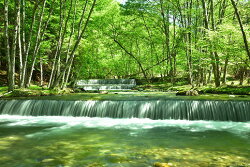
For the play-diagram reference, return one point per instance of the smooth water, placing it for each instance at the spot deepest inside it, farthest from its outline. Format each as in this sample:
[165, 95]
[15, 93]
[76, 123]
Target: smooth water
[27, 141]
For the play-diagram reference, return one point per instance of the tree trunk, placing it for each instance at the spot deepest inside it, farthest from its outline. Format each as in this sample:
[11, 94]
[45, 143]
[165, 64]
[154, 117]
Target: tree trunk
[67, 65]
[166, 32]
[210, 75]
[225, 71]
[26, 49]
[65, 76]
[37, 43]
[18, 7]
[135, 58]
[215, 56]
[242, 73]
[57, 58]
[241, 28]
[68, 73]
[189, 44]
[14, 48]
[7, 46]
[41, 71]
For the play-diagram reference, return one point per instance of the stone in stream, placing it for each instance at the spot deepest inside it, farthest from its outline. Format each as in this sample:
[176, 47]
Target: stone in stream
[192, 93]
[159, 164]
[187, 93]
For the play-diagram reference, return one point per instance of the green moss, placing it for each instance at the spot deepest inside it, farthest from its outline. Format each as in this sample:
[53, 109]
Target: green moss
[141, 92]
[228, 90]
[32, 91]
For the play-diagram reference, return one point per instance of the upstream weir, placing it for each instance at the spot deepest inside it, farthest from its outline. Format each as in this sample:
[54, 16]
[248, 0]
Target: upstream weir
[106, 84]
[177, 109]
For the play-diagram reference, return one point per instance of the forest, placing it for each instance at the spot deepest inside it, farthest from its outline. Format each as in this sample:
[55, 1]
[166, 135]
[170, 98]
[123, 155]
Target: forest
[125, 83]
[56, 42]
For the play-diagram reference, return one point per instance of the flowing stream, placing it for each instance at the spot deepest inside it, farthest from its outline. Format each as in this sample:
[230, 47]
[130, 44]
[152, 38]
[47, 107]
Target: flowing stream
[58, 141]
[153, 109]
[124, 133]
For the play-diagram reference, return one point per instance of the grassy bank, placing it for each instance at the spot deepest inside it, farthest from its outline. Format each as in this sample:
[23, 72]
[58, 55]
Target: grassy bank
[209, 89]
[33, 91]
[158, 88]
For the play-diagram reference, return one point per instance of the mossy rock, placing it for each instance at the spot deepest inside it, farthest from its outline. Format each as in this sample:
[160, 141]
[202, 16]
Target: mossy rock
[192, 93]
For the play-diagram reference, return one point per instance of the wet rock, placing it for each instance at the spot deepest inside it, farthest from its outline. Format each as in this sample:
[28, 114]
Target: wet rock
[192, 93]
[159, 164]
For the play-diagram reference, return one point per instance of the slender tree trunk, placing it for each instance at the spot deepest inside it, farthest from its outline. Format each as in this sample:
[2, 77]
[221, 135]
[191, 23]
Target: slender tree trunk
[241, 28]
[216, 64]
[57, 57]
[166, 32]
[214, 56]
[41, 71]
[37, 44]
[28, 42]
[58, 64]
[242, 74]
[189, 39]
[69, 71]
[18, 7]
[225, 71]
[222, 10]
[7, 46]
[65, 76]
[14, 47]
[135, 58]
[210, 75]
[67, 65]
[23, 32]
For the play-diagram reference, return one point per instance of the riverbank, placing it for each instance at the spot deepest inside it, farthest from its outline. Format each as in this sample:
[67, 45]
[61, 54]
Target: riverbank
[225, 89]
[152, 91]
[33, 91]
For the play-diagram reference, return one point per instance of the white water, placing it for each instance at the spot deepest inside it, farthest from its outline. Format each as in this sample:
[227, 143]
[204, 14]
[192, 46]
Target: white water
[60, 123]
[154, 109]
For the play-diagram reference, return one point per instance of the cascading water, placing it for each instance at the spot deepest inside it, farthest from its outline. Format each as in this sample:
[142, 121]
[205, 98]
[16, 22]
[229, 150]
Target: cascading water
[154, 109]
[106, 84]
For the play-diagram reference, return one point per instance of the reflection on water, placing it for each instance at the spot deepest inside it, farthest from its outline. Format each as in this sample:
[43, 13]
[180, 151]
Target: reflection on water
[74, 142]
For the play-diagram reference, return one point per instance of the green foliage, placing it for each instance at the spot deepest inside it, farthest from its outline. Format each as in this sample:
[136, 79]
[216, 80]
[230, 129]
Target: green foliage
[228, 90]
[167, 39]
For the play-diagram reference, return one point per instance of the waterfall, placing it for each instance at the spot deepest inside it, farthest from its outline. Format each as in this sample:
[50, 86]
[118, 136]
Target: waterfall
[155, 109]
[106, 84]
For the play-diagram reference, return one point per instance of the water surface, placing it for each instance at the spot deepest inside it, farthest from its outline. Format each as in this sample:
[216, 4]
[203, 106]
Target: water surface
[27, 141]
